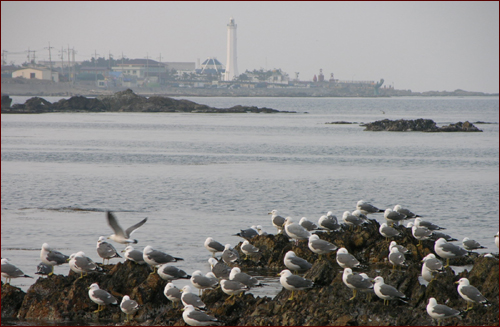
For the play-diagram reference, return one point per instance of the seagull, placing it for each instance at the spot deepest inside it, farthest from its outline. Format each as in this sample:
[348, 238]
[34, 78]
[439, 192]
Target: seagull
[293, 282]
[346, 260]
[244, 278]
[388, 232]
[427, 224]
[328, 222]
[213, 246]
[202, 282]
[129, 307]
[405, 212]
[51, 257]
[400, 248]
[360, 214]
[101, 297]
[387, 292]
[496, 239]
[172, 293]
[248, 233]
[80, 263]
[367, 208]
[248, 249]
[155, 258]
[189, 298]
[440, 311]
[469, 293]
[170, 273]
[351, 220]
[133, 255]
[470, 245]
[437, 235]
[307, 224]
[396, 258]
[355, 282]
[420, 233]
[233, 287]
[393, 216]
[10, 271]
[295, 231]
[219, 268]
[319, 246]
[105, 250]
[43, 269]
[277, 220]
[430, 265]
[295, 263]
[121, 236]
[192, 317]
[448, 250]
[230, 255]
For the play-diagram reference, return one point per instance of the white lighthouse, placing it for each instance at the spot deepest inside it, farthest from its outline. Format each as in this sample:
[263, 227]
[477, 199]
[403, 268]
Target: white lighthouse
[231, 63]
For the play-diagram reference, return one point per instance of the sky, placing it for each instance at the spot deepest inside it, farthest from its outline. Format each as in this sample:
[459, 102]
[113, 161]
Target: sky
[418, 46]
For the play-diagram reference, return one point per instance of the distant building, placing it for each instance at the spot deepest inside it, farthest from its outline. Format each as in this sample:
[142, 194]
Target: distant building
[36, 73]
[180, 66]
[140, 68]
[211, 66]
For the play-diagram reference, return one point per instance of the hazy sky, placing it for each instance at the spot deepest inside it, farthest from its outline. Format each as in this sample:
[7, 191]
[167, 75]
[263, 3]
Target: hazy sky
[421, 46]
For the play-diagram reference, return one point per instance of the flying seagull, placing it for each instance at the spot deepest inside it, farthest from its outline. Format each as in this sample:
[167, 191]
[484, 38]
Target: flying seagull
[121, 236]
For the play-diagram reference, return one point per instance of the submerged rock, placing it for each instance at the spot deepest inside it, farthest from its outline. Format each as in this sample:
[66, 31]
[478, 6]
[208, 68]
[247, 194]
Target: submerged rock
[418, 125]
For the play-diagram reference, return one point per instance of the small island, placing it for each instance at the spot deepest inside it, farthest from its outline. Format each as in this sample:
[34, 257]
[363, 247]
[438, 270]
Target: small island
[418, 125]
[124, 101]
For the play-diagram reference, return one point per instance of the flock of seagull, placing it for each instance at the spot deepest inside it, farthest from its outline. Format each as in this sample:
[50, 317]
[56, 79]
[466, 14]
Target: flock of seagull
[233, 281]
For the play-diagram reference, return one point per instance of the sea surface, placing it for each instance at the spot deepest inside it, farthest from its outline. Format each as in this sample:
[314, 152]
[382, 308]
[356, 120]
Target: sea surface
[198, 175]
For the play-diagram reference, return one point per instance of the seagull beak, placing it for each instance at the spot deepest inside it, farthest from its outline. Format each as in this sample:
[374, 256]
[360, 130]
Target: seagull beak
[456, 282]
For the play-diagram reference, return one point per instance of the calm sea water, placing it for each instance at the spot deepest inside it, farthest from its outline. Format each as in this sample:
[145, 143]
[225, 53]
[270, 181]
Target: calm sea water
[201, 175]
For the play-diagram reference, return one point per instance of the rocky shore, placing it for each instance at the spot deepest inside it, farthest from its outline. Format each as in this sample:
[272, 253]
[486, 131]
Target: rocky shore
[418, 125]
[124, 101]
[64, 299]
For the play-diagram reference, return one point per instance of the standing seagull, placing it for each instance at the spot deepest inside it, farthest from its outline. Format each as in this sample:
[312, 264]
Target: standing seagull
[129, 307]
[189, 298]
[295, 263]
[319, 246]
[346, 260]
[393, 216]
[43, 269]
[430, 266]
[471, 245]
[277, 220]
[10, 271]
[295, 231]
[396, 258]
[387, 292]
[213, 246]
[202, 282]
[469, 293]
[230, 255]
[248, 249]
[448, 250]
[440, 311]
[155, 258]
[405, 212]
[244, 278]
[80, 264]
[121, 236]
[133, 255]
[219, 268]
[328, 222]
[106, 250]
[293, 282]
[388, 231]
[51, 257]
[352, 220]
[192, 317]
[101, 297]
[496, 239]
[307, 224]
[170, 273]
[355, 282]
[366, 207]
[172, 293]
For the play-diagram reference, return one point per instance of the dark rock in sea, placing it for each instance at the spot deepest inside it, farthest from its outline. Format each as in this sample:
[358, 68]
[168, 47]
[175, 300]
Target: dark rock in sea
[124, 101]
[418, 125]
[6, 101]
[65, 298]
[339, 122]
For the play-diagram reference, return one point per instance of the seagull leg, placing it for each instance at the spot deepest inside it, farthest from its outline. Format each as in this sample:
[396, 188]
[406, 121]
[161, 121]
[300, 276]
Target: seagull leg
[353, 294]
[447, 263]
[291, 297]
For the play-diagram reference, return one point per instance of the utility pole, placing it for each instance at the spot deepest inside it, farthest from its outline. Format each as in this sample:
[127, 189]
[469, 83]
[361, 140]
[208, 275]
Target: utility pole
[50, 60]
[69, 66]
[4, 57]
[95, 65]
[62, 60]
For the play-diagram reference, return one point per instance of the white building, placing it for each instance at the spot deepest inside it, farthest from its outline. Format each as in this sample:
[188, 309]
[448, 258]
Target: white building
[36, 73]
[231, 63]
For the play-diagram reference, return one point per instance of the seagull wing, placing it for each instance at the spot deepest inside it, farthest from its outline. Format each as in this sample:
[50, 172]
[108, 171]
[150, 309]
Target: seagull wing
[113, 223]
[131, 229]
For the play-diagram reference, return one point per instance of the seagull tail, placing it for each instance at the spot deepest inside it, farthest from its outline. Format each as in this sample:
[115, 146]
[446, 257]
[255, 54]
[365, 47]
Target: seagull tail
[178, 259]
[27, 276]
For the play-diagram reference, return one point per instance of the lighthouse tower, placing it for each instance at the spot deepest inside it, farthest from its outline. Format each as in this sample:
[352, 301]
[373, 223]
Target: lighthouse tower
[231, 63]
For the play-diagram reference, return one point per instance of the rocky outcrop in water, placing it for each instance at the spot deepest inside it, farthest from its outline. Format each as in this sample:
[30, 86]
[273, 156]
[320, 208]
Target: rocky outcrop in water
[418, 125]
[65, 298]
[124, 101]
